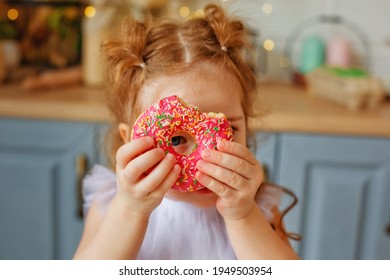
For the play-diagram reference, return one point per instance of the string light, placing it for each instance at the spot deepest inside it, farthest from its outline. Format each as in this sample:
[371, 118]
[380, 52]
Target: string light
[199, 13]
[12, 14]
[90, 11]
[184, 11]
[269, 45]
[267, 8]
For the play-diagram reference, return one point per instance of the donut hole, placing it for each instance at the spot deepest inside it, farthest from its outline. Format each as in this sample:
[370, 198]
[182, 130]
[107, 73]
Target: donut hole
[183, 142]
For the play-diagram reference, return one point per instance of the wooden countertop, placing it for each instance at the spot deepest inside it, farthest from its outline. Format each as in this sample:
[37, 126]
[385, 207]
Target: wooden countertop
[291, 109]
[68, 104]
[284, 108]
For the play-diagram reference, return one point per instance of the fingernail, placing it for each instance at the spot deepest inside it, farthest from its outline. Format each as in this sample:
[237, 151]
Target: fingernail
[171, 157]
[149, 140]
[206, 153]
[222, 144]
[199, 164]
[177, 168]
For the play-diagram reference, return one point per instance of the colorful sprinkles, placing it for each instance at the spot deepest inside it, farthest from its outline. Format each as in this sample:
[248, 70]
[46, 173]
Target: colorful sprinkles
[169, 115]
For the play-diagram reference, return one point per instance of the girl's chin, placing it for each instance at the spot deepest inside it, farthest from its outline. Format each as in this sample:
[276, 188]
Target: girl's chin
[202, 198]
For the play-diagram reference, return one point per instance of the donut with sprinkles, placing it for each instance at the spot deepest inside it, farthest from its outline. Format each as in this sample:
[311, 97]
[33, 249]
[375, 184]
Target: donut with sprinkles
[170, 116]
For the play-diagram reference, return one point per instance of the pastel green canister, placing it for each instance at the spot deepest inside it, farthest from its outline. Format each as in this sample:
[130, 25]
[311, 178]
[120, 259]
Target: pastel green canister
[312, 54]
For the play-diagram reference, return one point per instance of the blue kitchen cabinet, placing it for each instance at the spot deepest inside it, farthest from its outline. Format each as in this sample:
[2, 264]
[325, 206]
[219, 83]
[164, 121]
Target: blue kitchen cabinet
[41, 165]
[265, 152]
[343, 186]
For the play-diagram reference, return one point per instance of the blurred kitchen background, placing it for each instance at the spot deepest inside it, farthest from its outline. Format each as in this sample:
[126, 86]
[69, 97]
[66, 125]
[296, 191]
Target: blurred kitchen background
[324, 72]
[61, 33]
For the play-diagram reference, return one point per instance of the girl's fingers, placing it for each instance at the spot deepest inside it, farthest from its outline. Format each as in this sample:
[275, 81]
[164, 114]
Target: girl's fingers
[158, 175]
[139, 165]
[238, 150]
[222, 174]
[219, 188]
[132, 149]
[229, 161]
[168, 181]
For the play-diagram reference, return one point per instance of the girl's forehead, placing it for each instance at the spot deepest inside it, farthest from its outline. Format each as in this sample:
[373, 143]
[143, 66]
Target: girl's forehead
[211, 89]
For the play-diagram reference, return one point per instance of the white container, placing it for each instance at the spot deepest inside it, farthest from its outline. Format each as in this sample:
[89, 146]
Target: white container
[11, 53]
[94, 30]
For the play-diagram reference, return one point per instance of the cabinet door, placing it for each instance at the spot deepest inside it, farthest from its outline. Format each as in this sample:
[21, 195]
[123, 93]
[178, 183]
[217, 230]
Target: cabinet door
[376, 232]
[38, 187]
[27, 211]
[266, 153]
[343, 185]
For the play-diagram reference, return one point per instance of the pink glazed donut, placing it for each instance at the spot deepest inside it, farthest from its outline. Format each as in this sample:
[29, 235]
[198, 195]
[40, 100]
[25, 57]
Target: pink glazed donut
[171, 116]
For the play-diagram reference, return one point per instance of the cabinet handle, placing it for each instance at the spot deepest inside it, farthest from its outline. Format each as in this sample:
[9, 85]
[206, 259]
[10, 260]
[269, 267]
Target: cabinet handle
[81, 170]
[388, 229]
[265, 168]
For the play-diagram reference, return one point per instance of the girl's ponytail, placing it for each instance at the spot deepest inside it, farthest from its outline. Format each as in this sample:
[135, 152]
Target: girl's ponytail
[236, 43]
[124, 54]
[229, 32]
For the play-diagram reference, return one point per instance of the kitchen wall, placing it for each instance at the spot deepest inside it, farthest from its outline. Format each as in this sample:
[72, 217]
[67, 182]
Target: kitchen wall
[371, 18]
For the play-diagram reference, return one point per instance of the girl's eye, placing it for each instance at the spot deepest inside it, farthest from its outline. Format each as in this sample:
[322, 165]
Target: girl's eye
[234, 128]
[177, 140]
[183, 143]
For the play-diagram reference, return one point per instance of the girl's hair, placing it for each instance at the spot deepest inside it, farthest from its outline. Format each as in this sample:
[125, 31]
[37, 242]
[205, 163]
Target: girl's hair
[143, 50]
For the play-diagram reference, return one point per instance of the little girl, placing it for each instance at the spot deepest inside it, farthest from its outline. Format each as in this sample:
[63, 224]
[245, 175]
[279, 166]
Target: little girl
[131, 215]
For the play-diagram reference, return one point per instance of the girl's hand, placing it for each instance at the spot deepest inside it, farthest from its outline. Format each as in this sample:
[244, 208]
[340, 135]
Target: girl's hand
[137, 192]
[234, 174]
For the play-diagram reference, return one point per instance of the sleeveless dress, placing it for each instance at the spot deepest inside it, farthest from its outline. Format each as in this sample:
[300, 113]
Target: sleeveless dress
[176, 230]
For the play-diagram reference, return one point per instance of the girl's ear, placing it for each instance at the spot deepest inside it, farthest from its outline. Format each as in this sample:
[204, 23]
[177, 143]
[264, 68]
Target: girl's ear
[125, 132]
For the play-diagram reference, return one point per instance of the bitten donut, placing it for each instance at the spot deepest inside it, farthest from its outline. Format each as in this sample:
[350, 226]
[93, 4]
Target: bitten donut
[170, 117]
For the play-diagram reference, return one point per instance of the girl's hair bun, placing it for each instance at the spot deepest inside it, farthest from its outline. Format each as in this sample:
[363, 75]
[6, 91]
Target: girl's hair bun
[229, 32]
[126, 51]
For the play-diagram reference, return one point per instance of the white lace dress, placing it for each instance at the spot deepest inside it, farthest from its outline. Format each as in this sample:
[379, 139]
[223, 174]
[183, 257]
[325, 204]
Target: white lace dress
[176, 230]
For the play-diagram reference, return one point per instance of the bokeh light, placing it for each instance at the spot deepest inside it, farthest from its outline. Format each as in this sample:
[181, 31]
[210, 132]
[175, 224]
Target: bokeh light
[269, 45]
[90, 11]
[184, 12]
[267, 8]
[12, 14]
[199, 13]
